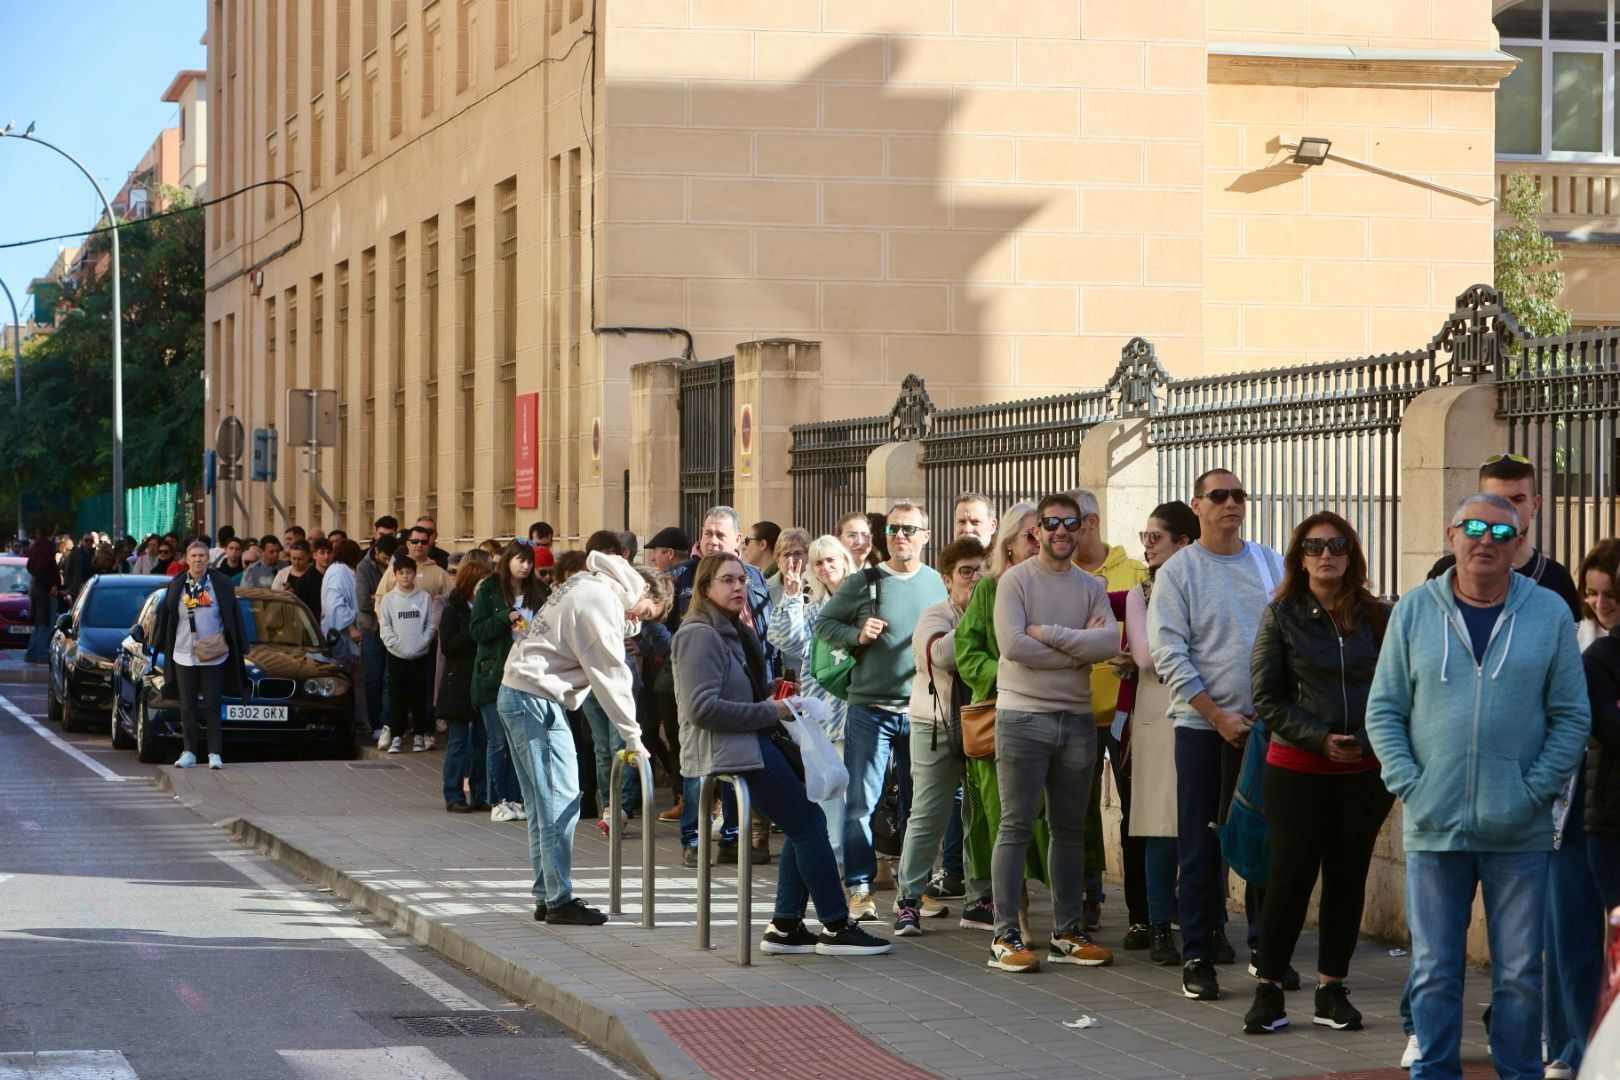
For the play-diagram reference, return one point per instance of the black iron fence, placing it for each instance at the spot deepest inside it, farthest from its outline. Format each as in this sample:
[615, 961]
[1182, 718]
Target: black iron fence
[706, 408]
[829, 468]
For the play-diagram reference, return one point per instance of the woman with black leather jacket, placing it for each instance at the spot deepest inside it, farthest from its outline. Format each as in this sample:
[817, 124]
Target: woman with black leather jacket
[1324, 801]
[1602, 660]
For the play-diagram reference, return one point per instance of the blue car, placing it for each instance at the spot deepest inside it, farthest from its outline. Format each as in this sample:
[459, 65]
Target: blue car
[87, 641]
[297, 695]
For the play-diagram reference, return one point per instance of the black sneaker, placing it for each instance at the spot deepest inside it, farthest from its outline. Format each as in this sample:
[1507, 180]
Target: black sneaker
[946, 886]
[1267, 1014]
[1137, 938]
[783, 939]
[1224, 953]
[459, 808]
[1164, 953]
[1333, 1008]
[540, 912]
[1198, 981]
[850, 941]
[689, 857]
[727, 855]
[1290, 979]
[1091, 915]
[979, 915]
[907, 919]
[575, 913]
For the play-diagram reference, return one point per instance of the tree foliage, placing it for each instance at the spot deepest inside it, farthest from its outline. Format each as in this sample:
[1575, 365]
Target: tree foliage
[59, 447]
[1527, 260]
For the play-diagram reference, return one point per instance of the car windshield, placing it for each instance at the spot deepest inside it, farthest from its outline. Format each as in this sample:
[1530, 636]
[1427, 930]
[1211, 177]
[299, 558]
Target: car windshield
[279, 622]
[113, 606]
[13, 579]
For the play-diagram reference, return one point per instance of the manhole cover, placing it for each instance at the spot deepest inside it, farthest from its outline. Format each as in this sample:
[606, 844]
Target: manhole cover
[467, 1023]
[373, 765]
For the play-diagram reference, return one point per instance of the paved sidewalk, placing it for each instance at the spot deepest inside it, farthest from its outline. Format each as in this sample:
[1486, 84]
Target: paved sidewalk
[374, 831]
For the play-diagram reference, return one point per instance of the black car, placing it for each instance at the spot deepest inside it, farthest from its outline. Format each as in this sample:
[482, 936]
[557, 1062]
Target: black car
[87, 639]
[297, 696]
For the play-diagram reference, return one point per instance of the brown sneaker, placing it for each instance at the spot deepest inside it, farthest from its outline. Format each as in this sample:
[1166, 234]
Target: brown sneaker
[930, 908]
[1074, 946]
[862, 908]
[672, 814]
[1009, 953]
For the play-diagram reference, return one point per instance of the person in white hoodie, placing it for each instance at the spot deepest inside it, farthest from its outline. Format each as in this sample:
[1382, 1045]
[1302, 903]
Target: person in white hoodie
[407, 621]
[571, 648]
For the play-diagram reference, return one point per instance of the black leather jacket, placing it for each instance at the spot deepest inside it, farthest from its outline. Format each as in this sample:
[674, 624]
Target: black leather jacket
[1309, 681]
[1602, 659]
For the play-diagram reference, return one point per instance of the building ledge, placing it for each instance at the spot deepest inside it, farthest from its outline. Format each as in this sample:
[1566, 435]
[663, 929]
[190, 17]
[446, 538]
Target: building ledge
[1311, 64]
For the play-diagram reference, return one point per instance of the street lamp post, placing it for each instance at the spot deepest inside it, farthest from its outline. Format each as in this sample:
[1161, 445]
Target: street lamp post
[16, 371]
[117, 329]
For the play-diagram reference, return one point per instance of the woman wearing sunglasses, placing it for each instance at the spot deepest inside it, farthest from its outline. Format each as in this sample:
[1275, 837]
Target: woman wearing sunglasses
[1312, 669]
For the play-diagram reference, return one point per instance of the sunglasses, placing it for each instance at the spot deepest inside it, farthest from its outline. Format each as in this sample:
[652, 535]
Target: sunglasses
[1050, 523]
[1220, 495]
[1474, 528]
[1152, 537]
[904, 530]
[1517, 458]
[1315, 546]
[415, 541]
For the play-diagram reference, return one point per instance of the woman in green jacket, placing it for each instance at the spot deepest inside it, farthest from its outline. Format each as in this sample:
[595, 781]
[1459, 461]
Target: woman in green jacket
[976, 658]
[501, 608]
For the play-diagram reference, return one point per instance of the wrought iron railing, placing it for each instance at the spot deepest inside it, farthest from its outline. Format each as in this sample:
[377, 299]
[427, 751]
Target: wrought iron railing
[706, 408]
[829, 469]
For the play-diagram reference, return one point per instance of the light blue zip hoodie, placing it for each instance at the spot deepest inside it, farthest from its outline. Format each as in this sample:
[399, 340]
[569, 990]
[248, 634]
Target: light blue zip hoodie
[1476, 752]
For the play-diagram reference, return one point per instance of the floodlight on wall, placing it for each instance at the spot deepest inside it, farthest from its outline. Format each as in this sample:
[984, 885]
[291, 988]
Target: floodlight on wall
[1312, 150]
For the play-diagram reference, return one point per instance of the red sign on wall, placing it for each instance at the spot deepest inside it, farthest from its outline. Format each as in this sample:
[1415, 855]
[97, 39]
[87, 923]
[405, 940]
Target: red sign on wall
[525, 451]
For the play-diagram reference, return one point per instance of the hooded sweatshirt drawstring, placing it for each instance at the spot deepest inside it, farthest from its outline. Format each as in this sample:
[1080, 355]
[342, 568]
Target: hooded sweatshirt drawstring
[1445, 653]
[1506, 645]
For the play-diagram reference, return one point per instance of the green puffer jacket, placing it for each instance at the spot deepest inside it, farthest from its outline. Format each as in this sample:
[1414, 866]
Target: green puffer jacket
[491, 628]
[976, 650]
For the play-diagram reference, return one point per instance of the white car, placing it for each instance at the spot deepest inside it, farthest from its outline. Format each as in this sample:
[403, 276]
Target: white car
[1602, 1060]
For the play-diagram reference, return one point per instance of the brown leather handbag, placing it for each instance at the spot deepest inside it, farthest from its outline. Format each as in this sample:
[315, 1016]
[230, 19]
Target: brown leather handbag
[979, 729]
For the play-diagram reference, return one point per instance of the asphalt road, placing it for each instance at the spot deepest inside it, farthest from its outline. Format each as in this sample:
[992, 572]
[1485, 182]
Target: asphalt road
[137, 940]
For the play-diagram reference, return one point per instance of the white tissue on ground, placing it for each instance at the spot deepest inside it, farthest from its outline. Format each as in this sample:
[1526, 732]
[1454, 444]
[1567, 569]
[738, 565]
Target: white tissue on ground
[1083, 1022]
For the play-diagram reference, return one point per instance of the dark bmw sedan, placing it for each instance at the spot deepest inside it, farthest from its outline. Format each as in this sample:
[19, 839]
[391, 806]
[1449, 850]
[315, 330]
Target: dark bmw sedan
[87, 638]
[297, 696]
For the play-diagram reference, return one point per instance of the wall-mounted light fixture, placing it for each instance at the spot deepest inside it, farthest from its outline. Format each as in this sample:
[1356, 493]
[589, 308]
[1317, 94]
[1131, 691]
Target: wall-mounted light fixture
[1312, 150]
[1315, 150]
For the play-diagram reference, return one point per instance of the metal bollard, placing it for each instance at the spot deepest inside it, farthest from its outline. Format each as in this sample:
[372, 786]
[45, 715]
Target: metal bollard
[616, 837]
[745, 869]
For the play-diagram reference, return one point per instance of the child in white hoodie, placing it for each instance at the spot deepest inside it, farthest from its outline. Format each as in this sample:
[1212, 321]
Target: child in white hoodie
[406, 623]
[572, 647]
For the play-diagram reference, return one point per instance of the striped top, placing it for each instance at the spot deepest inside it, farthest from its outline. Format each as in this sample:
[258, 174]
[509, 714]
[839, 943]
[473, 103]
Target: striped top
[792, 628]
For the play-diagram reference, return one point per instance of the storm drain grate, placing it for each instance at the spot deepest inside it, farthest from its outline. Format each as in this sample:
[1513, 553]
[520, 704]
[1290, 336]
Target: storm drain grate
[373, 765]
[468, 1023]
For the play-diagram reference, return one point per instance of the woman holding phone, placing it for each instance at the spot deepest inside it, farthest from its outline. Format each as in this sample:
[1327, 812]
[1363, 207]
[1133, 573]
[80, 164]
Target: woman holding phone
[1312, 667]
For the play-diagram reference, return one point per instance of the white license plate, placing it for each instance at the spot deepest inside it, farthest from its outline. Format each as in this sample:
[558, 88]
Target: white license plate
[257, 713]
[19, 629]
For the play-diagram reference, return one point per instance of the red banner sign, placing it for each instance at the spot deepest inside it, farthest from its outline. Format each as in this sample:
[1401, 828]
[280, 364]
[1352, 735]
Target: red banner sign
[525, 450]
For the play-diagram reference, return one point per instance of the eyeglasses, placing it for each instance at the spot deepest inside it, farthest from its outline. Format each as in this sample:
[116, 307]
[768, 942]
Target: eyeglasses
[1494, 458]
[1050, 524]
[968, 571]
[1219, 495]
[1314, 546]
[1474, 528]
[731, 580]
[165, 551]
[1151, 537]
[904, 530]
[856, 534]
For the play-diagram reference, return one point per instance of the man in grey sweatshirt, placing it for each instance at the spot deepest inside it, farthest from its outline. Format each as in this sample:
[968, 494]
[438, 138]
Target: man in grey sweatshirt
[1207, 602]
[1053, 621]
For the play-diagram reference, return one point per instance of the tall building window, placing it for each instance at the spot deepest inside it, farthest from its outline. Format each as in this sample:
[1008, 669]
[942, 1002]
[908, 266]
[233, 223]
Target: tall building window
[466, 43]
[396, 86]
[396, 14]
[272, 62]
[432, 65]
[272, 171]
[230, 364]
[396, 356]
[368, 107]
[292, 58]
[505, 31]
[267, 403]
[368, 27]
[287, 199]
[317, 46]
[340, 379]
[292, 375]
[345, 17]
[1559, 103]
[340, 133]
[506, 277]
[317, 360]
[551, 401]
[430, 357]
[466, 347]
[317, 142]
[368, 369]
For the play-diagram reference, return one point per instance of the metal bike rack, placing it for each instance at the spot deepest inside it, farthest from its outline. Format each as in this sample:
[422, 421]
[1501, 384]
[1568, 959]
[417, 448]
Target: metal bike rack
[745, 869]
[616, 836]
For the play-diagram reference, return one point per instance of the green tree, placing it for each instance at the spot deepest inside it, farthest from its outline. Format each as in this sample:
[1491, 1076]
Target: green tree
[1527, 273]
[60, 447]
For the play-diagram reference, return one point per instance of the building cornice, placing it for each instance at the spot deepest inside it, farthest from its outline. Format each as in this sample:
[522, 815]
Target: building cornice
[1305, 64]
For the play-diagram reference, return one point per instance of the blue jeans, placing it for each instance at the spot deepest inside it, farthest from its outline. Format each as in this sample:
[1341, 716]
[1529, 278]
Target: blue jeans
[374, 660]
[1159, 855]
[39, 641]
[499, 773]
[1574, 929]
[605, 740]
[465, 755]
[690, 789]
[805, 867]
[950, 857]
[1603, 854]
[1439, 895]
[548, 774]
[871, 735]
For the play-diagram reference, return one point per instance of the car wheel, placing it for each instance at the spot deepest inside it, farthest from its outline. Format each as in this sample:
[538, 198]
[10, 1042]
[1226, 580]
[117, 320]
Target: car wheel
[121, 739]
[147, 749]
[71, 719]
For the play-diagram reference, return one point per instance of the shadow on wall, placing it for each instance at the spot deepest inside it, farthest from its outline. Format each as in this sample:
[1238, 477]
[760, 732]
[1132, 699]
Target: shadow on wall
[840, 207]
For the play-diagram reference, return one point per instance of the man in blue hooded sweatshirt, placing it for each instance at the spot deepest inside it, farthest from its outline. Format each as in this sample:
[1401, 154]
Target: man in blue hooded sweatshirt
[1478, 714]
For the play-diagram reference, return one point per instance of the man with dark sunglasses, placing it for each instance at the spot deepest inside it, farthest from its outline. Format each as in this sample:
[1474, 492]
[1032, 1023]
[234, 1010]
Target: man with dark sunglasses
[1207, 602]
[1478, 715]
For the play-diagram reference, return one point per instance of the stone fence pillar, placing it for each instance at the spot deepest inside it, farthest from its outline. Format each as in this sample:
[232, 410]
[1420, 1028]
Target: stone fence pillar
[778, 384]
[894, 474]
[655, 446]
[1445, 434]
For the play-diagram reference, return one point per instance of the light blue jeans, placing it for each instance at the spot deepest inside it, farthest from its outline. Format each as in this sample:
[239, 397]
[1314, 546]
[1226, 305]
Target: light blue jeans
[548, 773]
[499, 772]
[1439, 894]
[871, 735]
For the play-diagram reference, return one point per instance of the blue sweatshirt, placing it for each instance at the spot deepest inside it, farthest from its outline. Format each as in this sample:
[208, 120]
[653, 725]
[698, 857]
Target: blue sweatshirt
[1477, 751]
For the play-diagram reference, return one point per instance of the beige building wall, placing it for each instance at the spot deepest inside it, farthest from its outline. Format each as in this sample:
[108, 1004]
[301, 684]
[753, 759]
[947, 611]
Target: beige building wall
[189, 93]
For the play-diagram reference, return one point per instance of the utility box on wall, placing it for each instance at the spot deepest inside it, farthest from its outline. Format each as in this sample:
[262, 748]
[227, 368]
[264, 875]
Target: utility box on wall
[265, 447]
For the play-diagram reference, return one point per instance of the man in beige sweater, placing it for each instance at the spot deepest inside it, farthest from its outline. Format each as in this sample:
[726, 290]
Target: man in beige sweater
[1053, 621]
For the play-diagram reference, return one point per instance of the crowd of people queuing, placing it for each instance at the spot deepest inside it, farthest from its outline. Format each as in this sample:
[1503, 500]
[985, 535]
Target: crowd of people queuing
[1260, 712]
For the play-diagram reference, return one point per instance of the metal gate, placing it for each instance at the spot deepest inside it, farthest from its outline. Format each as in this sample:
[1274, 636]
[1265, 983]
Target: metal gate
[706, 408]
[829, 469]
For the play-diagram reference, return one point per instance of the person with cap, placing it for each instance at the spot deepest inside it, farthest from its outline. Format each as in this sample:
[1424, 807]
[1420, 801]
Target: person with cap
[544, 563]
[668, 547]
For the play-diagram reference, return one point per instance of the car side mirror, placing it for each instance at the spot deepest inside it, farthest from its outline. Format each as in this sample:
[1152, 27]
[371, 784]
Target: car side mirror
[137, 634]
[64, 622]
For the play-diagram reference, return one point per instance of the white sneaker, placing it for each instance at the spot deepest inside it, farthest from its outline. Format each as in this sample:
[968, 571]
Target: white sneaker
[384, 736]
[393, 746]
[186, 760]
[416, 744]
[519, 811]
[1558, 1070]
[214, 762]
[429, 743]
[1410, 1054]
[501, 811]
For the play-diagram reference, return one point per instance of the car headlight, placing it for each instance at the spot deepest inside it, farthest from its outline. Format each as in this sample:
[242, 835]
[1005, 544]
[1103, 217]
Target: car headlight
[90, 662]
[326, 686]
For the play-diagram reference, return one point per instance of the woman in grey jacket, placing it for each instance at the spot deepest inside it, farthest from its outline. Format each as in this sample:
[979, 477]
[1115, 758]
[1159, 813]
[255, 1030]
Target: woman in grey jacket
[727, 716]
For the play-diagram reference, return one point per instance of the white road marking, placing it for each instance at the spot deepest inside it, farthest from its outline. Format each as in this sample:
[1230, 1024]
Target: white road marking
[350, 930]
[66, 1065]
[61, 744]
[604, 1061]
[381, 1063]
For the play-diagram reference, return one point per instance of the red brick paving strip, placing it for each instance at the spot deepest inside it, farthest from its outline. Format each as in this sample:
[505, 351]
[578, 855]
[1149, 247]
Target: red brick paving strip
[783, 1042]
[1482, 1070]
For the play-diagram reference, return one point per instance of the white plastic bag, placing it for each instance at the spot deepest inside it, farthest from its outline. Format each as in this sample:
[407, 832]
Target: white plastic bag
[824, 774]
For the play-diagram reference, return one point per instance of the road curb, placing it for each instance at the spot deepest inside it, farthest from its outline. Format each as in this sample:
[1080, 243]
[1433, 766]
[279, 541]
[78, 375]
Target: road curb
[626, 1033]
[27, 673]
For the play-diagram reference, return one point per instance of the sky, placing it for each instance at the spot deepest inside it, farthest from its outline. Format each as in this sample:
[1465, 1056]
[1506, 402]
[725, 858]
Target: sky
[91, 74]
